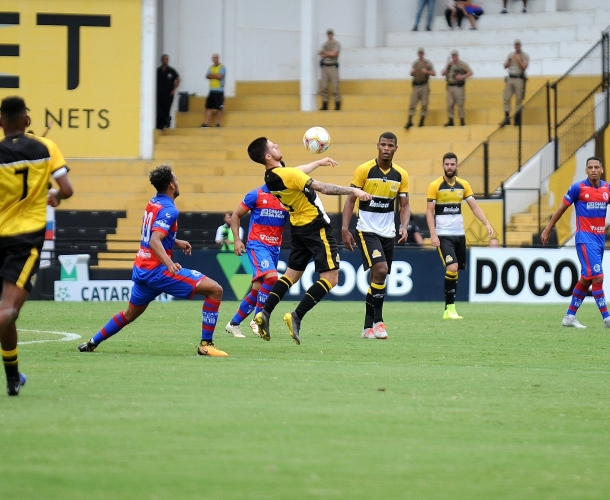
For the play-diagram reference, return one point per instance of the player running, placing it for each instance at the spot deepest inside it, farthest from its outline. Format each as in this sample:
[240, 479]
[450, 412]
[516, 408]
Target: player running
[154, 271]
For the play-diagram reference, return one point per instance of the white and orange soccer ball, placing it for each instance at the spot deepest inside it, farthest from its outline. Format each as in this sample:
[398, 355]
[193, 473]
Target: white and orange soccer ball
[316, 140]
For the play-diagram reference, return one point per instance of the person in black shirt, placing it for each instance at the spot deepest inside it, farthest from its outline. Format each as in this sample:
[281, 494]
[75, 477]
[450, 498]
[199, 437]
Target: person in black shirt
[168, 80]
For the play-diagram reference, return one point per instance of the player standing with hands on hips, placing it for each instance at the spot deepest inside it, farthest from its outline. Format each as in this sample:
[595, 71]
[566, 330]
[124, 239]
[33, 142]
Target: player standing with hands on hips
[590, 199]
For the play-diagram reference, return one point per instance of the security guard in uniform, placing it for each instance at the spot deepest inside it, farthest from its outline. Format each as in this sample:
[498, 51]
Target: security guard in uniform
[516, 63]
[329, 63]
[456, 72]
[421, 73]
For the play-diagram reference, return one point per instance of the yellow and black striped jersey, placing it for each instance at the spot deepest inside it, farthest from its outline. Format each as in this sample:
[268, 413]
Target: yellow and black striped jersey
[292, 187]
[377, 215]
[448, 209]
[26, 164]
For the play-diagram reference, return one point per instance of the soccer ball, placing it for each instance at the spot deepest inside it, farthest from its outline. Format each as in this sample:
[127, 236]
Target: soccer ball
[316, 140]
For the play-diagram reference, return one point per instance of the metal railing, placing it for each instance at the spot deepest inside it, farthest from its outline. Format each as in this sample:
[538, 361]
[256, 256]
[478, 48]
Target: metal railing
[563, 111]
[567, 113]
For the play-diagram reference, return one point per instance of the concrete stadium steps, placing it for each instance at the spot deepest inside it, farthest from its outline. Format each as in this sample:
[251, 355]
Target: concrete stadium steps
[371, 103]
[267, 88]
[296, 154]
[384, 119]
[339, 135]
[554, 41]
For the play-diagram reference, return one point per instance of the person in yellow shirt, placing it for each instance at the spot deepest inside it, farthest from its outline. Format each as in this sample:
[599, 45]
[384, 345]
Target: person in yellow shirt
[311, 233]
[216, 97]
[26, 164]
[446, 224]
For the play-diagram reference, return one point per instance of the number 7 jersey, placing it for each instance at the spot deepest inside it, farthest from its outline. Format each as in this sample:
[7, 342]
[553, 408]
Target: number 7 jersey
[26, 164]
[160, 215]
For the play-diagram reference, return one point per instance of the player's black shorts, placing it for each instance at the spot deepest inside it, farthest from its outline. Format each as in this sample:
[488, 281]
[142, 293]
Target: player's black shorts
[453, 249]
[374, 249]
[215, 100]
[20, 258]
[318, 243]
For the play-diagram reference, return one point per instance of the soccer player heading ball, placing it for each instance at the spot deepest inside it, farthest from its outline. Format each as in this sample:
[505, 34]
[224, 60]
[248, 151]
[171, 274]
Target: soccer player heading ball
[312, 235]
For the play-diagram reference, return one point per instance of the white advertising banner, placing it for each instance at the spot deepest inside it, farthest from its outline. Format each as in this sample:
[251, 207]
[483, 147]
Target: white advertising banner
[531, 275]
[97, 291]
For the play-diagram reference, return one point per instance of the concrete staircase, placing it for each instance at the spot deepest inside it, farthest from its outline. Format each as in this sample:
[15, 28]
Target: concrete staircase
[554, 41]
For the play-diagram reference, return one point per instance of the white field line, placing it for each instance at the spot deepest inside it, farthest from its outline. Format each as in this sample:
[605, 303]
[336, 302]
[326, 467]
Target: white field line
[66, 336]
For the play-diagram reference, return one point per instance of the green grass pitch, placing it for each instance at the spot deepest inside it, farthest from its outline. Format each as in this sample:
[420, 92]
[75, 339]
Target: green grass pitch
[504, 404]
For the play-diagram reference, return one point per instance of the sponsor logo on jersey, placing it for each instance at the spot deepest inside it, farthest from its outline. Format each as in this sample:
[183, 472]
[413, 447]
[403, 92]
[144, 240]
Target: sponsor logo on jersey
[451, 210]
[593, 205]
[162, 224]
[273, 240]
[272, 213]
[144, 254]
[379, 204]
[597, 229]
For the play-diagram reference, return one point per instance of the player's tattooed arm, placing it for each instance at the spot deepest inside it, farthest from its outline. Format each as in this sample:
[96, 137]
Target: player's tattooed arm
[333, 189]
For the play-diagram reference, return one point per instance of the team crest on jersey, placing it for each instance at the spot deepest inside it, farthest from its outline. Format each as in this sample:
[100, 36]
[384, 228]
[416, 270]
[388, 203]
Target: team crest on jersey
[394, 187]
[605, 195]
[597, 268]
[375, 254]
[264, 263]
[196, 273]
[448, 258]
[586, 196]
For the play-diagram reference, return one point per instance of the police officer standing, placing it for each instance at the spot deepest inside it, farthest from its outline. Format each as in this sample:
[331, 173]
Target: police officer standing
[516, 63]
[329, 63]
[421, 72]
[456, 72]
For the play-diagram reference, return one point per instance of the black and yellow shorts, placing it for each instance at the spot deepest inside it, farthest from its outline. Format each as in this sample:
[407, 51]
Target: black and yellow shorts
[20, 258]
[453, 250]
[318, 243]
[374, 249]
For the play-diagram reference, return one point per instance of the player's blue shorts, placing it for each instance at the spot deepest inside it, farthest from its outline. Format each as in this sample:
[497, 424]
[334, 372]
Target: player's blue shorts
[590, 257]
[263, 259]
[149, 284]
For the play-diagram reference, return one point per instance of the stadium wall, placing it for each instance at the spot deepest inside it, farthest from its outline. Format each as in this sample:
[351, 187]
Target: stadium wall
[79, 65]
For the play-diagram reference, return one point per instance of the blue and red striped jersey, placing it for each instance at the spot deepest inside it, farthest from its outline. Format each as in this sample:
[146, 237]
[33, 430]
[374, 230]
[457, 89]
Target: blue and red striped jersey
[160, 215]
[590, 204]
[267, 218]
